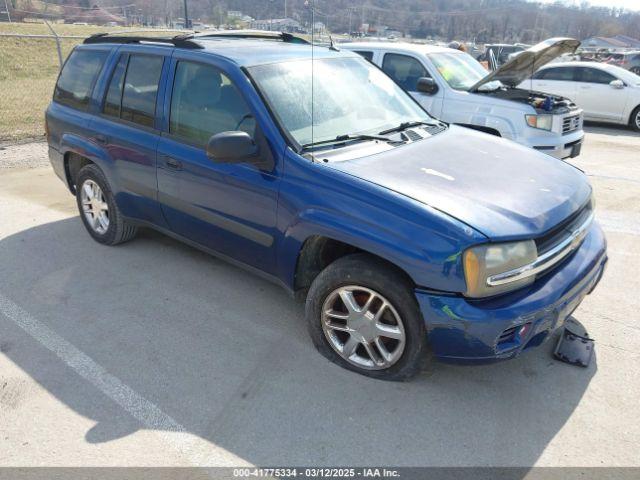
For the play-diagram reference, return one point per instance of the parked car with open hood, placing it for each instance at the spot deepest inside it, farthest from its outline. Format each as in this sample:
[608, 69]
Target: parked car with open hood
[406, 236]
[455, 88]
[604, 92]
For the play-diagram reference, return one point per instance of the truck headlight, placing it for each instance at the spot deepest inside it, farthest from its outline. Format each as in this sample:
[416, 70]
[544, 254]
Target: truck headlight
[541, 122]
[483, 261]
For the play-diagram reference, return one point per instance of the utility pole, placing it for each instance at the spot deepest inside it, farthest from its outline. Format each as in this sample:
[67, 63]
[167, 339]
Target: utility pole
[186, 15]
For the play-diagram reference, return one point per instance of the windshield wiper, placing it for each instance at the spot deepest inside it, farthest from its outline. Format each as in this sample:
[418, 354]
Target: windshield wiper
[406, 125]
[346, 138]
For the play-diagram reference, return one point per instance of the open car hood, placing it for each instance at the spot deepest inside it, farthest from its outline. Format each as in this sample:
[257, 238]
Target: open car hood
[523, 65]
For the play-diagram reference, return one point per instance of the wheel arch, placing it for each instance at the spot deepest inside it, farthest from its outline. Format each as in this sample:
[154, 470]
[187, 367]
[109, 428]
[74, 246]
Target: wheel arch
[319, 251]
[78, 152]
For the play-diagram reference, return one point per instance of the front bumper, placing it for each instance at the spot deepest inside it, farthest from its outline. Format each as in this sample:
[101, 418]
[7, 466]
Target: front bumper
[553, 143]
[469, 331]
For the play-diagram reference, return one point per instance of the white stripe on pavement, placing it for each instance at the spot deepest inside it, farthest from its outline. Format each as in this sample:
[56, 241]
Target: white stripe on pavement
[198, 451]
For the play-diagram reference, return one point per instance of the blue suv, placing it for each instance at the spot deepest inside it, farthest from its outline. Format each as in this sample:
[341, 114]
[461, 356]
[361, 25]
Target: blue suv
[409, 238]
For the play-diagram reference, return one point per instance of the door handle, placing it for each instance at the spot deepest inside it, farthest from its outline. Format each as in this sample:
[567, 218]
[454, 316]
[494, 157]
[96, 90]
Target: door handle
[101, 139]
[173, 163]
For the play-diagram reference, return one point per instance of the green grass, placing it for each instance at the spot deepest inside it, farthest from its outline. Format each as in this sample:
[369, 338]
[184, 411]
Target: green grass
[28, 72]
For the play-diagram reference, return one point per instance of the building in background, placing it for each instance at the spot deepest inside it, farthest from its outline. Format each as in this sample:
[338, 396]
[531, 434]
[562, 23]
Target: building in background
[277, 24]
[617, 42]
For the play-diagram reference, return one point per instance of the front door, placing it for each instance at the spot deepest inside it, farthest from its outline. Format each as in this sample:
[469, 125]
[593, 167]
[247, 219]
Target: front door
[597, 97]
[406, 71]
[230, 208]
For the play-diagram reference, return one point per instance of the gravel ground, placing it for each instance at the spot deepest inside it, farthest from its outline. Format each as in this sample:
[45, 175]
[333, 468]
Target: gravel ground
[154, 354]
[23, 155]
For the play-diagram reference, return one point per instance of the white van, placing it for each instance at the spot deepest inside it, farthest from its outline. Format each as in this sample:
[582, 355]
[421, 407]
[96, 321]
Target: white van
[452, 86]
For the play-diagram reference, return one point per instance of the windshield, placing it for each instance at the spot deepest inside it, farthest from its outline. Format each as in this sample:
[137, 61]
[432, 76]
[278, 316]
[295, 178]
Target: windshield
[349, 96]
[461, 71]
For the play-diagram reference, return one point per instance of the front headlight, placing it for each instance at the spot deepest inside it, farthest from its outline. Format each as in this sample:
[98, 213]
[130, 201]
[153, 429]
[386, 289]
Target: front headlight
[542, 122]
[484, 261]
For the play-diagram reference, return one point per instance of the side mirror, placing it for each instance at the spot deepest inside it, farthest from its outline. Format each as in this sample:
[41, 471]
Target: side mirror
[617, 83]
[231, 147]
[427, 85]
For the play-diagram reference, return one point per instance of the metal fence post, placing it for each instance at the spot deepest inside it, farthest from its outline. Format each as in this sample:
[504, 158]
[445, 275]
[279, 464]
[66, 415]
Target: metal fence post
[6, 6]
[57, 39]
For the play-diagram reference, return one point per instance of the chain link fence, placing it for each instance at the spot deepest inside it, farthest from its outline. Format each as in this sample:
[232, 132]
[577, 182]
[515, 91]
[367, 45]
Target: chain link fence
[30, 58]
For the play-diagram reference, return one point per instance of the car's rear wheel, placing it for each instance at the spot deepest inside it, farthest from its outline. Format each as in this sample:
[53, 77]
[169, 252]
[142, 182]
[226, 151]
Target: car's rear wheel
[98, 209]
[363, 315]
[634, 122]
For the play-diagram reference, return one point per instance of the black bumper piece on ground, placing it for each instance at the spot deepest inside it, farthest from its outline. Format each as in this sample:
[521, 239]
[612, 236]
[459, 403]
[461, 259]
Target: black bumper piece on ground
[574, 345]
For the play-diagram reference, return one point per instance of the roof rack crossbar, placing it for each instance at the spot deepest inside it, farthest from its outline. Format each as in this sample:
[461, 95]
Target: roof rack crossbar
[248, 34]
[180, 41]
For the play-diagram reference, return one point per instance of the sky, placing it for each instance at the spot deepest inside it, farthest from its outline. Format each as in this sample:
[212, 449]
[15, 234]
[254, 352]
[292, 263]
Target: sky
[628, 4]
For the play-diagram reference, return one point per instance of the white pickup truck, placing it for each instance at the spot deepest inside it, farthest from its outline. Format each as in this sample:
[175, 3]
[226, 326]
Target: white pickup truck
[452, 86]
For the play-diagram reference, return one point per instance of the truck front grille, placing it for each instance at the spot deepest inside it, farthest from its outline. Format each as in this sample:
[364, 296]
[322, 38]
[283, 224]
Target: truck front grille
[571, 123]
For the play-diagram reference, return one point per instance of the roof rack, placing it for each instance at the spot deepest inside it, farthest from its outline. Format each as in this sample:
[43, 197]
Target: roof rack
[248, 34]
[180, 41]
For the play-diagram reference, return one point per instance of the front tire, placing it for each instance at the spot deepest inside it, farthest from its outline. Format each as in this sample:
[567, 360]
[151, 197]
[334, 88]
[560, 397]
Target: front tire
[98, 209]
[362, 314]
[634, 121]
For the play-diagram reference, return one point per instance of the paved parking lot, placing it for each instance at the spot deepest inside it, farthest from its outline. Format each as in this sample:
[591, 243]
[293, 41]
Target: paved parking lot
[152, 353]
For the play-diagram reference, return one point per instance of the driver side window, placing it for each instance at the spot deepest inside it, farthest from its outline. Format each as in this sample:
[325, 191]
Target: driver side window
[204, 102]
[405, 70]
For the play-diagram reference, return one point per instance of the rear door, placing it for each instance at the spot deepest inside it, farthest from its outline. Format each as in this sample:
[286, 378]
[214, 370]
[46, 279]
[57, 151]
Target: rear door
[127, 128]
[406, 70]
[230, 208]
[597, 97]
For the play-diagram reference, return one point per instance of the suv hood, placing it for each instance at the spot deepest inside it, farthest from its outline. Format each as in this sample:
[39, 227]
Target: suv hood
[502, 189]
[522, 66]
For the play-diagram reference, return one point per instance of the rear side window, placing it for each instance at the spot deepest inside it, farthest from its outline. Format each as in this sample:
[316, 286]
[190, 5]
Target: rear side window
[133, 89]
[140, 89]
[365, 54]
[560, 74]
[78, 77]
[593, 75]
[112, 102]
[404, 70]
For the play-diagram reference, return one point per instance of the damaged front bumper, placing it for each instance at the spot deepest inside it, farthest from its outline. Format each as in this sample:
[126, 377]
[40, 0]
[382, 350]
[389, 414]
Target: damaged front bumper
[461, 330]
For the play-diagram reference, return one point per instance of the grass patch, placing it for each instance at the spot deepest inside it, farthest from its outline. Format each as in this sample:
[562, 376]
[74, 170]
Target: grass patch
[28, 73]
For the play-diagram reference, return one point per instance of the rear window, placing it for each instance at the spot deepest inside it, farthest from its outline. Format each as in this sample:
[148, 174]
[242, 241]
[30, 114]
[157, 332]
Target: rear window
[565, 74]
[366, 54]
[78, 77]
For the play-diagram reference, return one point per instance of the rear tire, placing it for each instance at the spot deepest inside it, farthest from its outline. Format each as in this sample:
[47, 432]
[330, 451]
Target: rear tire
[98, 209]
[382, 333]
[634, 121]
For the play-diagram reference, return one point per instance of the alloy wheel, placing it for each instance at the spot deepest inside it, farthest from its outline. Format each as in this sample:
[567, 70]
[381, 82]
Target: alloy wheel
[94, 206]
[363, 327]
[638, 119]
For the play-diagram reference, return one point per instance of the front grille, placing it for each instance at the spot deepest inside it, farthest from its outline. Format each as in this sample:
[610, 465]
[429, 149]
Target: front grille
[571, 123]
[562, 231]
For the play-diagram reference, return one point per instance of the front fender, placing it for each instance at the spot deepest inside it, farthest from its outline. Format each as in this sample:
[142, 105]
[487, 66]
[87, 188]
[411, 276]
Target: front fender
[433, 262]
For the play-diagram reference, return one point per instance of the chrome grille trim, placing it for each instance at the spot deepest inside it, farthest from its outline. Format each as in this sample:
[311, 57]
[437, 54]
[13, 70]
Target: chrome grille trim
[571, 123]
[547, 260]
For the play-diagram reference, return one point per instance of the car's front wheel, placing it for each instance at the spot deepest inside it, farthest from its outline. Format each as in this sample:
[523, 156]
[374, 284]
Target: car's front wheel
[634, 121]
[363, 315]
[98, 208]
